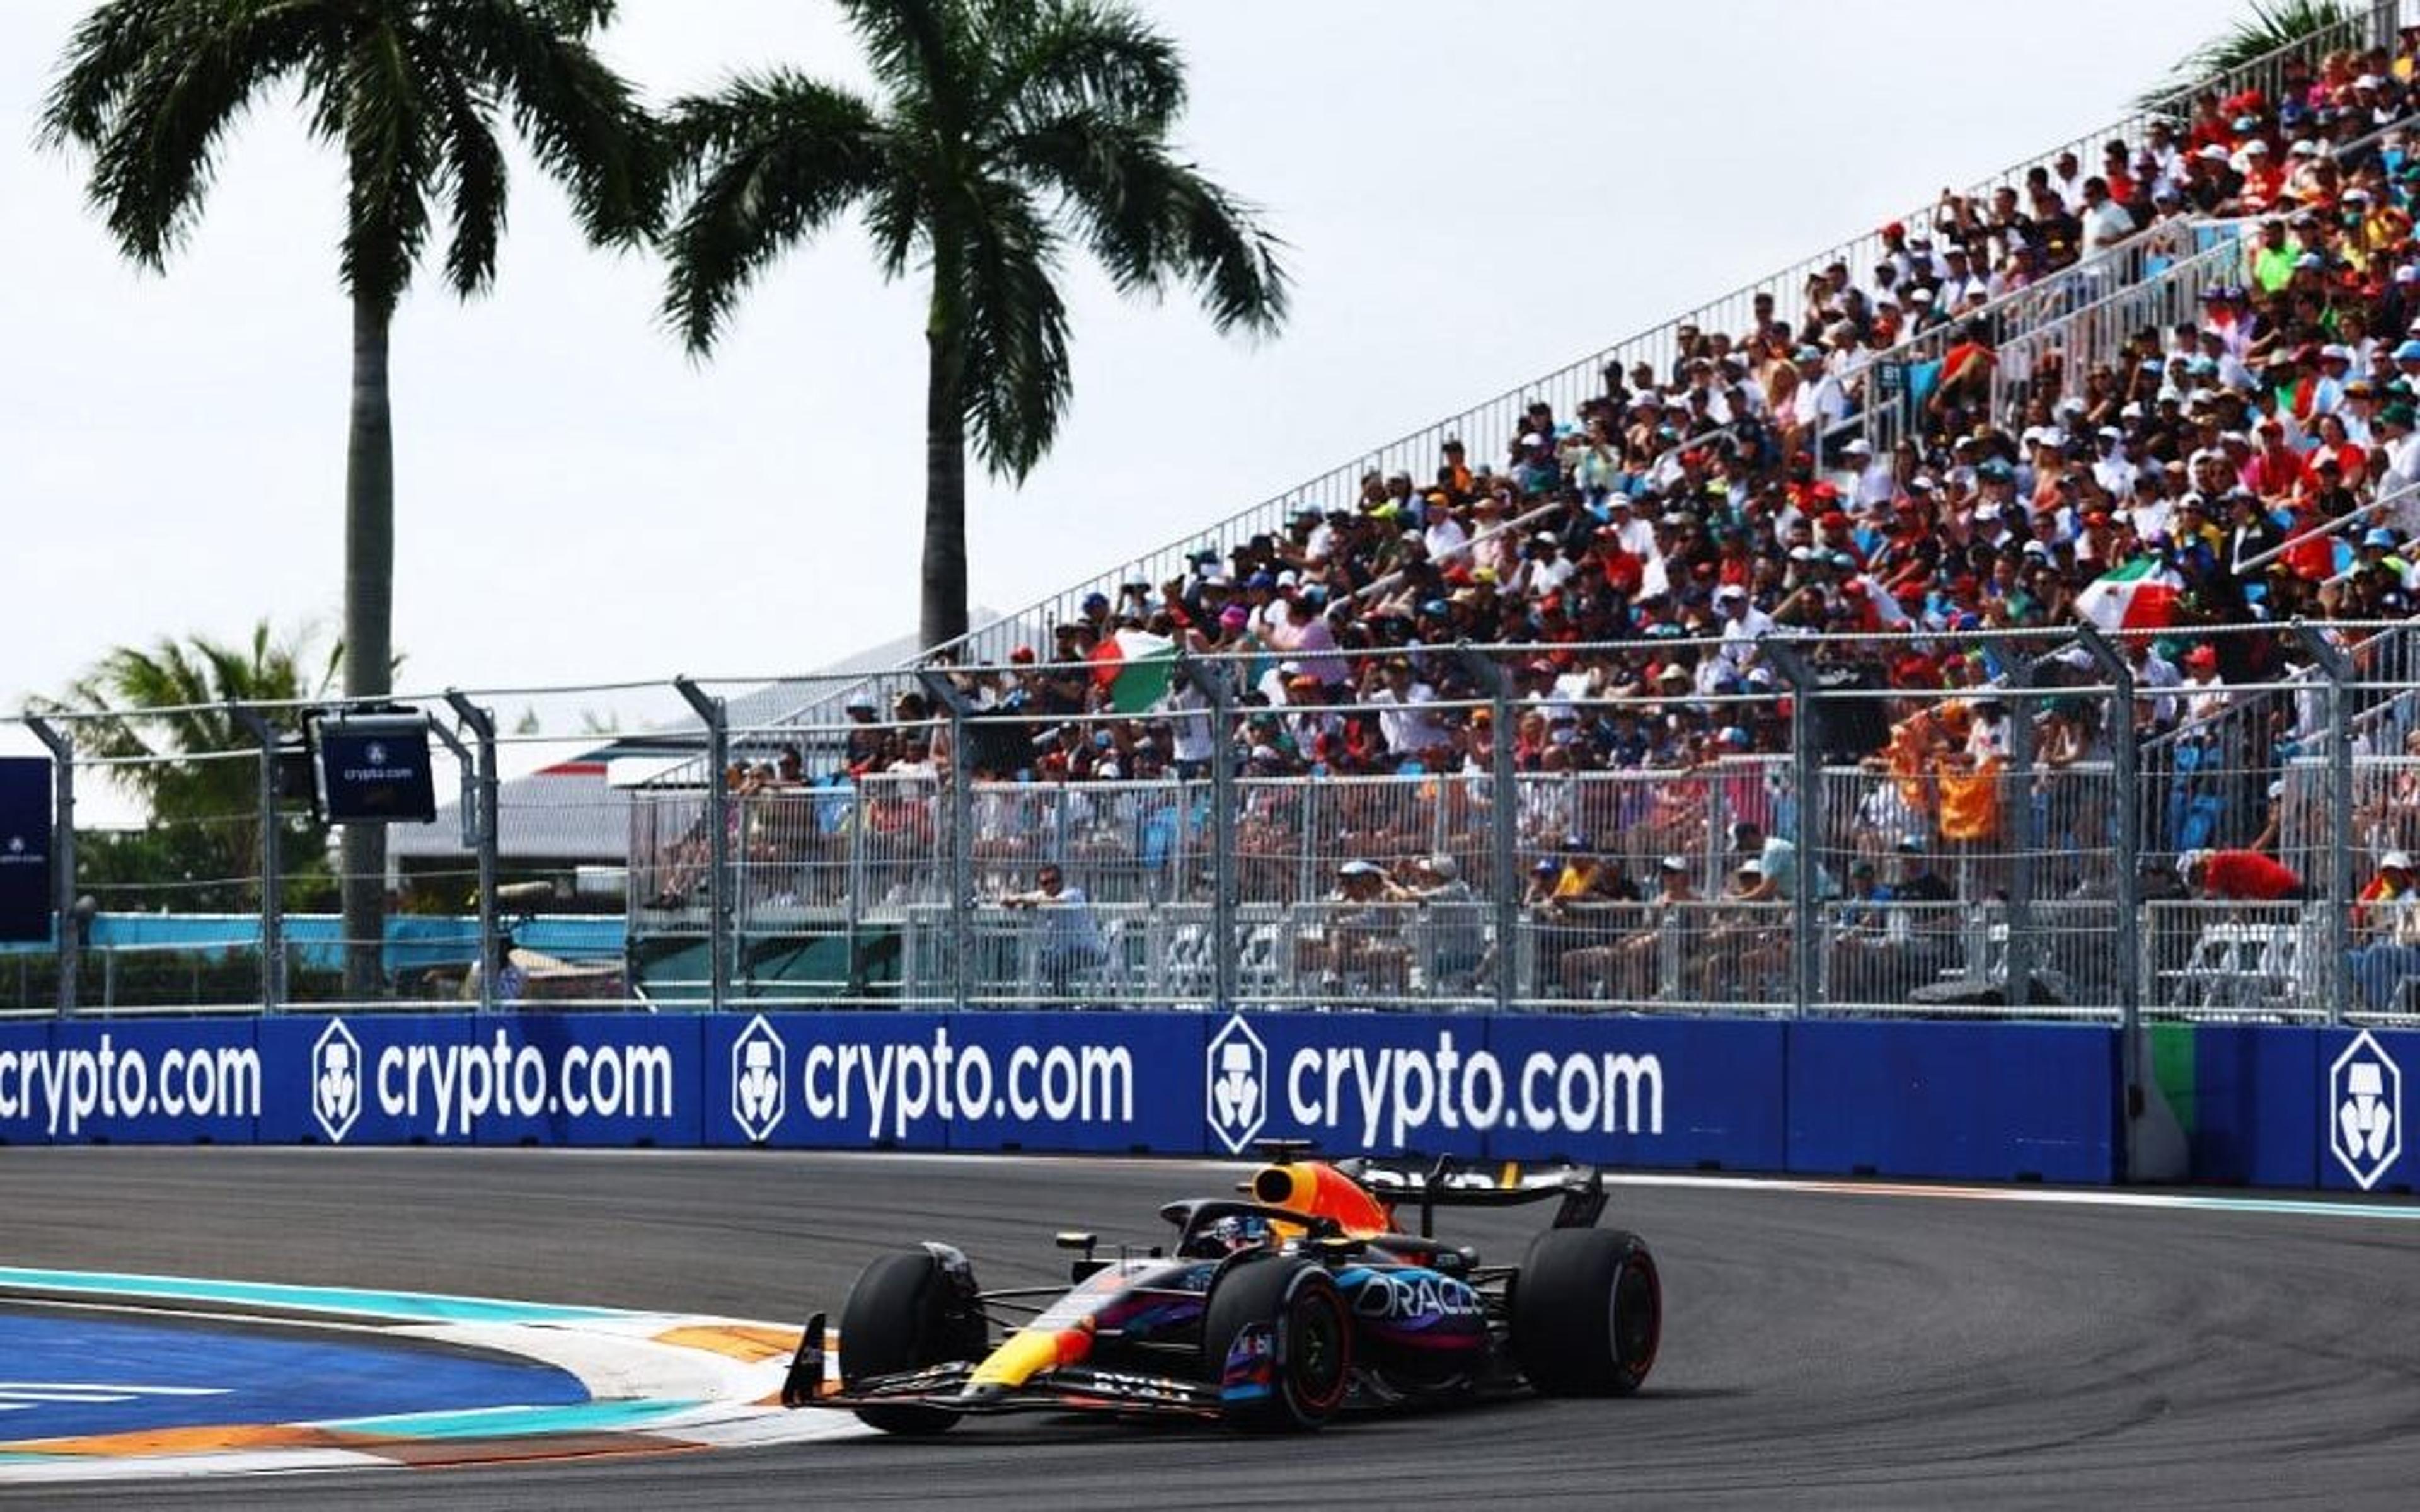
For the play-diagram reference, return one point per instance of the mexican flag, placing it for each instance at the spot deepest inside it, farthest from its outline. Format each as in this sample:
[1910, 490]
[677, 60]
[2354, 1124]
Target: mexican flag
[2140, 595]
[1134, 665]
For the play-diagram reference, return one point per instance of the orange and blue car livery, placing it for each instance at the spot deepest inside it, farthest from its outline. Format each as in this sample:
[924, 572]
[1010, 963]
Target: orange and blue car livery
[1425, 1319]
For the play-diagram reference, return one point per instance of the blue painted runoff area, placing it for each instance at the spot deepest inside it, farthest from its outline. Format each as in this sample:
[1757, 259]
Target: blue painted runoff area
[74, 1375]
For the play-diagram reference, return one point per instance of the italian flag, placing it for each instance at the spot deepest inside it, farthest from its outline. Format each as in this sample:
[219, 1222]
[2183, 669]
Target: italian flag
[1134, 665]
[2140, 595]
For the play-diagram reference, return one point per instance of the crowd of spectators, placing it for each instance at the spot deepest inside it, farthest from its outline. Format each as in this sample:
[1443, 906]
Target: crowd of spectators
[2262, 458]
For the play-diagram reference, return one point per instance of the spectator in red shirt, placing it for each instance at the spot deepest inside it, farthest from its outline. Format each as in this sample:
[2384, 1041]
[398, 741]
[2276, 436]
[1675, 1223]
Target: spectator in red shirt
[2239, 877]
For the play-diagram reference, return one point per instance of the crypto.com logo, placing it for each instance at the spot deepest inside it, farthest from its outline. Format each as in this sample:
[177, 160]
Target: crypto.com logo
[760, 1076]
[337, 1080]
[1238, 1073]
[2366, 1110]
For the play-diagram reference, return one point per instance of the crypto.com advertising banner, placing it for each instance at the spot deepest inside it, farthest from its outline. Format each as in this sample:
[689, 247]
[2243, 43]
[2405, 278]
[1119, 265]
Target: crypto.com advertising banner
[1903, 1099]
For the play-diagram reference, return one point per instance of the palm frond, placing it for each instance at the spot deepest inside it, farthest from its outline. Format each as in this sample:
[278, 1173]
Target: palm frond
[472, 179]
[1014, 336]
[104, 58]
[582, 120]
[1149, 219]
[150, 89]
[1089, 55]
[917, 47]
[2271, 26]
[392, 156]
[772, 160]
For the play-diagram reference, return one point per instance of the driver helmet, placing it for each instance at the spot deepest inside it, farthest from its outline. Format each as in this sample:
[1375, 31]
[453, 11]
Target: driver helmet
[1237, 1231]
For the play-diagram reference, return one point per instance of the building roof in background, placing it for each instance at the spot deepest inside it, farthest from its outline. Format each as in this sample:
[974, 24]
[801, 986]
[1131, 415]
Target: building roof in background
[572, 811]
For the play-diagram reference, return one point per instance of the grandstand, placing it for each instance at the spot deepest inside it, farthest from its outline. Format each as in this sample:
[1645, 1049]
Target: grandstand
[2085, 441]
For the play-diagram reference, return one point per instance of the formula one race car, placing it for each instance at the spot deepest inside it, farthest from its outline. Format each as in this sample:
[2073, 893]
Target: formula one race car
[1274, 1311]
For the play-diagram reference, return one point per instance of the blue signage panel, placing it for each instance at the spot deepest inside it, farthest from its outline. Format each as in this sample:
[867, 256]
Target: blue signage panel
[1108, 1082]
[373, 768]
[24, 848]
[1627, 1091]
[153, 1081]
[595, 1079]
[2364, 1081]
[375, 1079]
[2255, 1114]
[1991, 1102]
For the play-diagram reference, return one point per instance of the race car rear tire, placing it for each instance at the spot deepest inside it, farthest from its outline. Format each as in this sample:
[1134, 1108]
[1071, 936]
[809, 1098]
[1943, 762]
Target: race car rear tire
[902, 1314]
[1308, 1334]
[1587, 1313]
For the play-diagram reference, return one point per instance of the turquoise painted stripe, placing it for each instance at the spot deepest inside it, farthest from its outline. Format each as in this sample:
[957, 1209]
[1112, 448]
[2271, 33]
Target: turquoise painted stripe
[402, 1307]
[2296, 1208]
[493, 1422]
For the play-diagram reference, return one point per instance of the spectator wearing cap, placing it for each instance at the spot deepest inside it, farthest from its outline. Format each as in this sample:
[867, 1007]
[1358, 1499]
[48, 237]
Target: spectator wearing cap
[2378, 909]
[1630, 969]
[1359, 937]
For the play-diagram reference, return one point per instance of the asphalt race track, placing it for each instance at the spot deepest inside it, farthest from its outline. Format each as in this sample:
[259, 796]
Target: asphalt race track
[1843, 1350]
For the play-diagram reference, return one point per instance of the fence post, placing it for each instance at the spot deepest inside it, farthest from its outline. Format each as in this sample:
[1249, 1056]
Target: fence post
[2018, 990]
[483, 726]
[1504, 816]
[273, 884]
[718, 838]
[2126, 773]
[1225, 943]
[2339, 670]
[65, 923]
[1806, 779]
[962, 852]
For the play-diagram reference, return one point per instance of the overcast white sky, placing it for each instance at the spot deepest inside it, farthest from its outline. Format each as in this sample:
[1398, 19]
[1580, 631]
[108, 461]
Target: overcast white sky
[1475, 193]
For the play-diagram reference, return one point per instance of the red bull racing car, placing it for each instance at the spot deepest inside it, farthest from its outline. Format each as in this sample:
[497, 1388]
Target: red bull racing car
[1275, 1310]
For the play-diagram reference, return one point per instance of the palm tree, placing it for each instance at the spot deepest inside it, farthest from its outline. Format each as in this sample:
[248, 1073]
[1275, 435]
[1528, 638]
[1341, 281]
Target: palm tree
[205, 814]
[412, 92]
[1004, 125]
[2271, 25]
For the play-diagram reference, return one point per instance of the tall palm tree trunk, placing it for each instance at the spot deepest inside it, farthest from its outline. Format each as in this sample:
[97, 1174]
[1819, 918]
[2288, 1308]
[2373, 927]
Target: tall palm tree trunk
[369, 612]
[944, 615]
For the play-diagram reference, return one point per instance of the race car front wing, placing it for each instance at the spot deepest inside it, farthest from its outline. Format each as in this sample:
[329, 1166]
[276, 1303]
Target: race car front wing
[1079, 1388]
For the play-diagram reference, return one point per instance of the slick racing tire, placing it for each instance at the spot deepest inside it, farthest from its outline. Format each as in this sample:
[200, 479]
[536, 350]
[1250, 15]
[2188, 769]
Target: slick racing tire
[1301, 1379]
[1587, 1313]
[903, 1313]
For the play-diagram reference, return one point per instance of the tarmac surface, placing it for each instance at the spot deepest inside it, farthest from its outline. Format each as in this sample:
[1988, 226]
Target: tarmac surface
[1863, 1348]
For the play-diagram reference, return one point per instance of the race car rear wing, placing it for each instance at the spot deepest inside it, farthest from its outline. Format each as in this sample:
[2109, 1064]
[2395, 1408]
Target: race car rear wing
[1445, 1184]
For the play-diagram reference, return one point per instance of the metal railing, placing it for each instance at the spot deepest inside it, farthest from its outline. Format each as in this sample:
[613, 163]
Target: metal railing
[1496, 421]
[1923, 877]
[1914, 850]
[1898, 380]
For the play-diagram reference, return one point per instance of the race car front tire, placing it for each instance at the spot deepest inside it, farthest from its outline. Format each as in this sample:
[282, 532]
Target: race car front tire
[1302, 1335]
[902, 1315]
[1587, 1313]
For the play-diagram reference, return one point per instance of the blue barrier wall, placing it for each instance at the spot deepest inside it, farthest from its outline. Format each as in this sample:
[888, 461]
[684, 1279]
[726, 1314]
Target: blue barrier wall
[1988, 1101]
[1656, 1093]
[2272, 1106]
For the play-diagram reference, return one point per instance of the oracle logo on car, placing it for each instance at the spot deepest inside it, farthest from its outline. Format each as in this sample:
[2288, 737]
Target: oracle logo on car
[1414, 1298]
